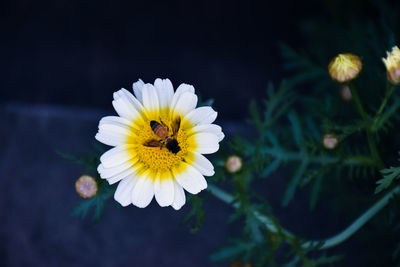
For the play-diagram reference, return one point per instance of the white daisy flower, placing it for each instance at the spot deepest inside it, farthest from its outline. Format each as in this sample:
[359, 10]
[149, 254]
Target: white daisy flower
[158, 138]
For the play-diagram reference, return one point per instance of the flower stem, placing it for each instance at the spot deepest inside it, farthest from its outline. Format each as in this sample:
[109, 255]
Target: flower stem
[371, 141]
[359, 222]
[389, 91]
[327, 243]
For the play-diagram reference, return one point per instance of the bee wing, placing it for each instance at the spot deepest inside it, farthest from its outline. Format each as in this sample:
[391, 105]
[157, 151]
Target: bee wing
[175, 125]
[153, 143]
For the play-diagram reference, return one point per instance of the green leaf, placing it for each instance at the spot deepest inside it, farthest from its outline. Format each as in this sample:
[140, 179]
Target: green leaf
[252, 227]
[83, 208]
[231, 252]
[271, 168]
[296, 128]
[272, 139]
[96, 203]
[278, 102]
[313, 128]
[289, 193]
[196, 214]
[241, 146]
[255, 115]
[389, 175]
[305, 69]
[390, 114]
[89, 160]
[204, 102]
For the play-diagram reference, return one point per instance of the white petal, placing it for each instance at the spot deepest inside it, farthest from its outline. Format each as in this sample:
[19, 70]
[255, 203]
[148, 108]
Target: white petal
[116, 156]
[202, 164]
[115, 126]
[116, 178]
[115, 119]
[201, 115]
[124, 109]
[164, 191]
[186, 103]
[206, 143]
[126, 105]
[190, 179]
[179, 196]
[137, 89]
[209, 128]
[126, 95]
[124, 190]
[165, 91]
[143, 192]
[183, 88]
[150, 97]
[110, 139]
[109, 172]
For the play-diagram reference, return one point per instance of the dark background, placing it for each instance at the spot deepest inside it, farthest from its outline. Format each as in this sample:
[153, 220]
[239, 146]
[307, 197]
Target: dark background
[78, 52]
[60, 62]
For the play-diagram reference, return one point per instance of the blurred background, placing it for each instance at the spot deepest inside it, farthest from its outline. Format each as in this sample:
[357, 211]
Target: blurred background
[60, 62]
[78, 53]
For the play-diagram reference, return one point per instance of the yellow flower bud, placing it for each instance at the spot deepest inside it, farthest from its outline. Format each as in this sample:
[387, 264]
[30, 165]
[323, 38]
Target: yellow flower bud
[233, 164]
[330, 141]
[344, 67]
[86, 186]
[392, 63]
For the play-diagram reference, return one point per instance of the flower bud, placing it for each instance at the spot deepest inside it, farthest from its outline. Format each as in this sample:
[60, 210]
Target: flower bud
[330, 141]
[345, 93]
[344, 67]
[233, 164]
[86, 186]
[392, 63]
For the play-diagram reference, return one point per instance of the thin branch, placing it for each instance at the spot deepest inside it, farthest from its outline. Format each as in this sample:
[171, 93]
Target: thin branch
[327, 243]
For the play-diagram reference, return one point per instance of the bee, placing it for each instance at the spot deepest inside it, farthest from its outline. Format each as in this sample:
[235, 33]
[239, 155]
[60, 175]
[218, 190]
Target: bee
[162, 131]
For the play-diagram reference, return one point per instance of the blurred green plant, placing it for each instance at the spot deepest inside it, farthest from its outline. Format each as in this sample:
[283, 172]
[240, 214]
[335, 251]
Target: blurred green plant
[89, 162]
[365, 132]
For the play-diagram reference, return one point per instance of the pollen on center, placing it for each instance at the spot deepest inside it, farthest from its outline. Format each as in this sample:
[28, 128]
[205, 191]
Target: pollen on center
[157, 158]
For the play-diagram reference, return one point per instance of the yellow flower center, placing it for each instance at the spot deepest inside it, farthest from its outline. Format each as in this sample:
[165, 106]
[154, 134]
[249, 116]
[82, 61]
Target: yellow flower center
[157, 158]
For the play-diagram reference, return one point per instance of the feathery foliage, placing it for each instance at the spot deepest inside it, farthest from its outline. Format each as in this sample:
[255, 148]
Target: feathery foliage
[292, 124]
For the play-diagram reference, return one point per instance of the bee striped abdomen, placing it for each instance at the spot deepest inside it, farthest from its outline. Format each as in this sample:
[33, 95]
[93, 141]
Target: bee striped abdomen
[158, 129]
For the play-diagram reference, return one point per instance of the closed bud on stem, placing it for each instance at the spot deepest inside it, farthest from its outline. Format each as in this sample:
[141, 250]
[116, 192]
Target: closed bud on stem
[344, 67]
[233, 164]
[330, 141]
[392, 63]
[86, 186]
[345, 93]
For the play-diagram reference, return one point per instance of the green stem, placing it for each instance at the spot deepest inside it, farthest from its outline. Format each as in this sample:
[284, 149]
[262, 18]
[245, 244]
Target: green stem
[327, 243]
[357, 101]
[371, 141]
[360, 221]
[389, 91]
